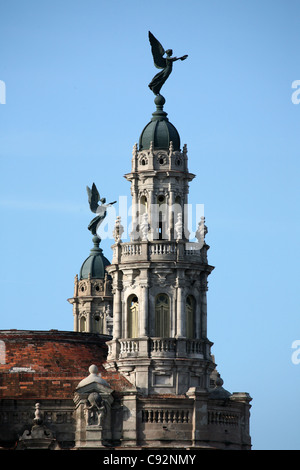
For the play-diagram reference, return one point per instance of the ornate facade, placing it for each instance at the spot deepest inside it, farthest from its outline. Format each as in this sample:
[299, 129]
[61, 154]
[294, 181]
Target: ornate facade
[140, 329]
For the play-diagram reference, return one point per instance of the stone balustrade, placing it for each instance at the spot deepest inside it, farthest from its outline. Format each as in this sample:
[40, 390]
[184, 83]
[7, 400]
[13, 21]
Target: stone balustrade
[194, 346]
[162, 248]
[166, 416]
[222, 418]
[159, 347]
[129, 346]
[131, 249]
[162, 345]
[156, 250]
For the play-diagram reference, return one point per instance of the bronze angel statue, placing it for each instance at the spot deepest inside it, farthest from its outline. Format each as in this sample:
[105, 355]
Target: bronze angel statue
[161, 62]
[94, 198]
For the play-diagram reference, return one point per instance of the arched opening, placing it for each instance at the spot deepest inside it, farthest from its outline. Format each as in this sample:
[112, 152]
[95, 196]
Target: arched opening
[132, 316]
[99, 325]
[190, 317]
[177, 218]
[162, 316]
[82, 323]
[162, 214]
[143, 205]
[177, 207]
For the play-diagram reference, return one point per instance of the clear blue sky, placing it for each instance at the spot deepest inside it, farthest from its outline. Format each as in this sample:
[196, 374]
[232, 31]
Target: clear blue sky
[76, 75]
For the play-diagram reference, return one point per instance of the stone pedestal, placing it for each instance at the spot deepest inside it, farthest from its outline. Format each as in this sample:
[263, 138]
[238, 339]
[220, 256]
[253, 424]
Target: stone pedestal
[93, 412]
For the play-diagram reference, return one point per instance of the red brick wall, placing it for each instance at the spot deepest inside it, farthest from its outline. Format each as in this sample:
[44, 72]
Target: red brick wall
[54, 363]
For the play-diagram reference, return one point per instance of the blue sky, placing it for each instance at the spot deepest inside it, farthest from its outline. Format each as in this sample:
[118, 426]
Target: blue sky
[77, 98]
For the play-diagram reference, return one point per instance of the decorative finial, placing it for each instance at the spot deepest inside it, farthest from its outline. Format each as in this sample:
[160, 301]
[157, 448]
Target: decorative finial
[37, 415]
[219, 381]
[118, 230]
[178, 227]
[160, 62]
[159, 114]
[96, 248]
[135, 149]
[93, 369]
[201, 232]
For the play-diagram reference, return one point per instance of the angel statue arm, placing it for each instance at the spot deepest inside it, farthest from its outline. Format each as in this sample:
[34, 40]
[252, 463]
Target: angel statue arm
[161, 62]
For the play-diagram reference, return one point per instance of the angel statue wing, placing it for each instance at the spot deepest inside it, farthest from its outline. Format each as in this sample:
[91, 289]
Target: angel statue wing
[157, 52]
[94, 197]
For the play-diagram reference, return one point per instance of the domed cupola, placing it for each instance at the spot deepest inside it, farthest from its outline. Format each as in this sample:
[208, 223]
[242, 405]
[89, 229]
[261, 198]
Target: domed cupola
[159, 130]
[92, 300]
[94, 265]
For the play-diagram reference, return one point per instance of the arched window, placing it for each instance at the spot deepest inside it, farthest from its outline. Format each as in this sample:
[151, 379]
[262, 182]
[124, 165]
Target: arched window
[162, 316]
[99, 324]
[190, 317]
[132, 316]
[82, 324]
[178, 217]
[162, 215]
[177, 207]
[143, 205]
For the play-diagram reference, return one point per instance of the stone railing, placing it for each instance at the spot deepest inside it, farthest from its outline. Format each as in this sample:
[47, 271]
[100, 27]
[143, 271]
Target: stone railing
[192, 249]
[156, 250]
[129, 346]
[162, 248]
[162, 345]
[166, 416]
[131, 249]
[194, 346]
[158, 346]
[173, 415]
[225, 418]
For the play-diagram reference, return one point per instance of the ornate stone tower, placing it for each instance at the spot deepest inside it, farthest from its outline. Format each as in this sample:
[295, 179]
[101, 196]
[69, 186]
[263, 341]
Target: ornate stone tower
[173, 395]
[159, 277]
[92, 300]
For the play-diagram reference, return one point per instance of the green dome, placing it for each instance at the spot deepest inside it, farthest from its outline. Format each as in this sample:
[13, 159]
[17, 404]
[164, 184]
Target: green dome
[95, 264]
[159, 130]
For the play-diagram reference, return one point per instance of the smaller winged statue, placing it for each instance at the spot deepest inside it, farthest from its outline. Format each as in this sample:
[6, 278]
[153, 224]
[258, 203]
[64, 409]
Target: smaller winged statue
[161, 62]
[94, 199]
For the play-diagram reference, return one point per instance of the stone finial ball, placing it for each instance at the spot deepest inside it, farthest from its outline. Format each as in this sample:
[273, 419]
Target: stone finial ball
[93, 369]
[159, 100]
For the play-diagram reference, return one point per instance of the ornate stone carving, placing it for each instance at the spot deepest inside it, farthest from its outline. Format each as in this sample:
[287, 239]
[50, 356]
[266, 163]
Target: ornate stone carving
[96, 409]
[144, 227]
[118, 230]
[201, 232]
[39, 436]
[179, 226]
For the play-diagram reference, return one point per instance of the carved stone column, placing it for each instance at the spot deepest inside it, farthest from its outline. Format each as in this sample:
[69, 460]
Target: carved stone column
[199, 431]
[180, 306]
[117, 309]
[203, 305]
[144, 310]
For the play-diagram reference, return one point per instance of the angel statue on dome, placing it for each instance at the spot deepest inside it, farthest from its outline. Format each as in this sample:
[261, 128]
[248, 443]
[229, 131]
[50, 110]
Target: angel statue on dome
[161, 62]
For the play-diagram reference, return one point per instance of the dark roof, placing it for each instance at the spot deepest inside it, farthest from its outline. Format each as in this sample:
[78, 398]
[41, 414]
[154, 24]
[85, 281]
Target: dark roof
[160, 131]
[95, 264]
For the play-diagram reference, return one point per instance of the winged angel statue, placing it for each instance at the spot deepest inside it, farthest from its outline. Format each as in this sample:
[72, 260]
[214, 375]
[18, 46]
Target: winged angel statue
[160, 62]
[94, 198]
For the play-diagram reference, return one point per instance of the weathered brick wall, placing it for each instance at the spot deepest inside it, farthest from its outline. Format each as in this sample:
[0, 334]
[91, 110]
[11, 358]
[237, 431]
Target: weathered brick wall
[50, 364]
